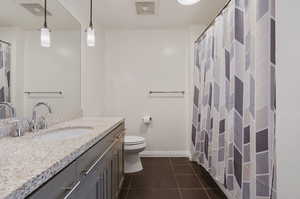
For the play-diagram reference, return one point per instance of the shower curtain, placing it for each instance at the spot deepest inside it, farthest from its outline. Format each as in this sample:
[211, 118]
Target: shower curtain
[234, 109]
[5, 68]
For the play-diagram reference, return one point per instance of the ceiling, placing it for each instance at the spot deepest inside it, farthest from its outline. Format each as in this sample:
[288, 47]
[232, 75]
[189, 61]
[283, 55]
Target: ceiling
[122, 13]
[110, 14]
[12, 14]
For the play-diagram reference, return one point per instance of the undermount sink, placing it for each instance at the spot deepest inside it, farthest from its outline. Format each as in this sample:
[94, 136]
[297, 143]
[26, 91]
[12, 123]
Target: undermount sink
[65, 133]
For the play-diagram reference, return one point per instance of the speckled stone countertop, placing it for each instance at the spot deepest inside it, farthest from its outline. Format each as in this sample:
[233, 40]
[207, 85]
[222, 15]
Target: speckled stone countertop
[27, 162]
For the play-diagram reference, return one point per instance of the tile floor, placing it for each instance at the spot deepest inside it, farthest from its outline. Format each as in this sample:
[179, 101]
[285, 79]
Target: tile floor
[170, 178]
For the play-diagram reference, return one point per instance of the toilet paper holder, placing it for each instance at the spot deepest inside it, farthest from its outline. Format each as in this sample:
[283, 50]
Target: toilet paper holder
[147, 119]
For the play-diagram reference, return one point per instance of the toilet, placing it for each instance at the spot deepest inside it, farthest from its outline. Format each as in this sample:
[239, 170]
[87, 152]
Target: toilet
[133, 145]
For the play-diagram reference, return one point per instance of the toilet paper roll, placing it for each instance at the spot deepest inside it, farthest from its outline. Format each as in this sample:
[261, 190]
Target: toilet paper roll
[147, 119]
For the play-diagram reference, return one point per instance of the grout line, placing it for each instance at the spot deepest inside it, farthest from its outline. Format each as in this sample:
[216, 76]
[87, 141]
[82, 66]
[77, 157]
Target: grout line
[198, 178]
[198, 188]
[184, 188]
[154, 188]
[184, 174]
[181, 163]
[177, 184]
[129, 187]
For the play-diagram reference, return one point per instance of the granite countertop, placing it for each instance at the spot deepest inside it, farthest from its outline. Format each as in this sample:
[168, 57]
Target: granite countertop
[26, 162]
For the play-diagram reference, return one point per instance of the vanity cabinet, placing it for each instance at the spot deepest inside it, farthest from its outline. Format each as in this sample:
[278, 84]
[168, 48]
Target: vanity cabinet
[96, 174]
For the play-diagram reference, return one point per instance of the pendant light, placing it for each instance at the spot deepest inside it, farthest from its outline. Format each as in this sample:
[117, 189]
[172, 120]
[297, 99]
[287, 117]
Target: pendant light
[188, 2]
[45, 32]
[90, 32]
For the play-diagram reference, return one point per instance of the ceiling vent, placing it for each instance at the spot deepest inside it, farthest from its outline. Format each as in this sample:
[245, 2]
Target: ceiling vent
[35, 8]
[145, 7]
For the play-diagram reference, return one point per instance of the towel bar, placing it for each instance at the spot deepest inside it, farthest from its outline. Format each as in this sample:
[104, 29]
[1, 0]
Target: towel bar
[181, 92]
[44, 92]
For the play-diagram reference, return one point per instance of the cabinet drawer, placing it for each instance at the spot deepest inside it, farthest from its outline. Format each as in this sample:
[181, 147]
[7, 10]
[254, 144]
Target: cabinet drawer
[86, 160]
[58, 186]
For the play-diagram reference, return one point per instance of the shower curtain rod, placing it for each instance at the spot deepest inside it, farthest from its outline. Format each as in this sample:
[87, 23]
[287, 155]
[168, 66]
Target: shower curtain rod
[213, 21]
[5, 42]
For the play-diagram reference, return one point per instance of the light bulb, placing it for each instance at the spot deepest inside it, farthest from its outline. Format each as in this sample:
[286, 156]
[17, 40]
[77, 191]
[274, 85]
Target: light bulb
[188, 2]
[90, 37]
[45, 37]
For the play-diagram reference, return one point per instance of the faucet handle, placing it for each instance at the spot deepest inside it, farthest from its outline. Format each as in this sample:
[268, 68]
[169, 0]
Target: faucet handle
[18, 129]
[43, 123]
[13, 129]
[33, 126]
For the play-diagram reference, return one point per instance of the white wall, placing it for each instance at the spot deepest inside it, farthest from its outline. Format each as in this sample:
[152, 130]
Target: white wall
[137, 61]
[102, 81]
[55, 69]
[92, 62]
[94, 76]
[288, 95]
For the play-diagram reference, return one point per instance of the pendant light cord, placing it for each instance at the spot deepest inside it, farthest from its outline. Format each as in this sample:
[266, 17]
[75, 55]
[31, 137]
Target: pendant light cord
[91, 14]
[45, 13]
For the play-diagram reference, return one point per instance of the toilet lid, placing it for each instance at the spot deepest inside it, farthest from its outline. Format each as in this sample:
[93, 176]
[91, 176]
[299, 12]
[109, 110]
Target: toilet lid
[130, 140]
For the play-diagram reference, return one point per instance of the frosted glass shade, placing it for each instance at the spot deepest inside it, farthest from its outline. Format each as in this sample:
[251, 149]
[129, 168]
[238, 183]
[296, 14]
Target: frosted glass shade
[90, 37]
[188, 2]
[45, 37]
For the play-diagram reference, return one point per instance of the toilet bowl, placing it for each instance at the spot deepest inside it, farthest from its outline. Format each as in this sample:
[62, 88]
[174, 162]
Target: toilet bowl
[133, 145]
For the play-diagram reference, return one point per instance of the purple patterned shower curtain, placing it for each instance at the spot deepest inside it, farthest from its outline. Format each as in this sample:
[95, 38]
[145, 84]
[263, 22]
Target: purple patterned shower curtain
[234, 109]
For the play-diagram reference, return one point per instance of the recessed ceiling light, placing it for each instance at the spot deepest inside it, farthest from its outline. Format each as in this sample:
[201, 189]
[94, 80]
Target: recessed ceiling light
[145, 7]
[35, 8]
[188, 2]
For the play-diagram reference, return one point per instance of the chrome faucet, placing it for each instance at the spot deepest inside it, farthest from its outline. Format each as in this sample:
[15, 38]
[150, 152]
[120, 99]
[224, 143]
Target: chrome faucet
[10, 106]
[39, 123]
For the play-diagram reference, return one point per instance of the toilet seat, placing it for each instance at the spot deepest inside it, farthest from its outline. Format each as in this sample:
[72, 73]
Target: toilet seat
[134, 148]
[134, 140]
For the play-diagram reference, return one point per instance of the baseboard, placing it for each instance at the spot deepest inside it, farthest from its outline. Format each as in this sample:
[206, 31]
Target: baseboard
[165, 154]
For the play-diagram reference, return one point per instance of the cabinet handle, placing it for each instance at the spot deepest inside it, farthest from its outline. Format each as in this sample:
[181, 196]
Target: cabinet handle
[100, 158]
[72, 189]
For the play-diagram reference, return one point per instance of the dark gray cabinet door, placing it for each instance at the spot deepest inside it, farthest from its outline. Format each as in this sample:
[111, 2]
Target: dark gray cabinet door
[109, 176]
[59, 186]
[117, 167]
[114, 174]
[121, 161]
[88, 189]
[105, 173]
[92, 185]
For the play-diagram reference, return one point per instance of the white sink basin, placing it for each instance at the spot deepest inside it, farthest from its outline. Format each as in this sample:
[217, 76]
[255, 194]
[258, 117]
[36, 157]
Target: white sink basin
[65, 133]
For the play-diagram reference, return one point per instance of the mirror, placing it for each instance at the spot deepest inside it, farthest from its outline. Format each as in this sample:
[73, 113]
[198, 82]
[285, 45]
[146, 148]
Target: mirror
[30, 73]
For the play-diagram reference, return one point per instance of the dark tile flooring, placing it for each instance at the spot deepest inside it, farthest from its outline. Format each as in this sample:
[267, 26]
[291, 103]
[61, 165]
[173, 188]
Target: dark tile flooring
[170, 178]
